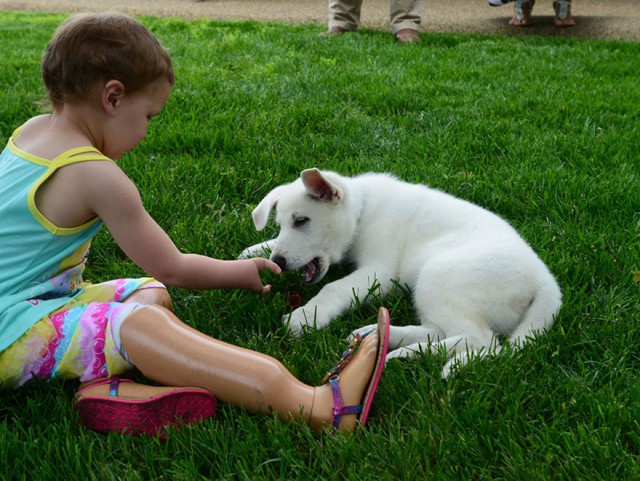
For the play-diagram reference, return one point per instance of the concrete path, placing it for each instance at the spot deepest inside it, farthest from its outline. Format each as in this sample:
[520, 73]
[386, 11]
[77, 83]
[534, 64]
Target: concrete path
[604, 19]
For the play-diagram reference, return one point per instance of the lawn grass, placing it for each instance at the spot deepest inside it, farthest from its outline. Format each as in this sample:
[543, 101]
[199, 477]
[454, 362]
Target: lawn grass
[543, 131]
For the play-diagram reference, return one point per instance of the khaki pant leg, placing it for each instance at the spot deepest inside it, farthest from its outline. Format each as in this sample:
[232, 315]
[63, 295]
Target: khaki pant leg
[344, 13]
[404, 14]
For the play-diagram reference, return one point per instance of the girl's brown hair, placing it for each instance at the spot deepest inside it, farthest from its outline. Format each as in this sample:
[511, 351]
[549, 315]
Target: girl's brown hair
[88, 49]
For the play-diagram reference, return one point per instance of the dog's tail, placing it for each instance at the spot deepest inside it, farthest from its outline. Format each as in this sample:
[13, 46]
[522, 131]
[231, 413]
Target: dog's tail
[541, 313]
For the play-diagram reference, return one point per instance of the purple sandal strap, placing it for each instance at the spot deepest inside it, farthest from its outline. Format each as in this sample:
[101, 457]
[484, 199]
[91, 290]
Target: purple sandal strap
[113, 387]
[113, 383]
[339, 409]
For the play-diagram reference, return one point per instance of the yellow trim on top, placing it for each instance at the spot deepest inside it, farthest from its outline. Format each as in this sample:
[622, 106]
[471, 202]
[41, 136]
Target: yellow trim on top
[26, 155]
[72, 156]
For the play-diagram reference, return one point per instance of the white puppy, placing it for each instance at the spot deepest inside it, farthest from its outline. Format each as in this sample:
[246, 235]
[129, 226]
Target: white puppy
[473, 278]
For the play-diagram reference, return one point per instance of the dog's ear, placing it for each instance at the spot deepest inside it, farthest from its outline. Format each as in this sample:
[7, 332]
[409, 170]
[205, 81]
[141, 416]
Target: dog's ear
[320, 187]
[261, 213]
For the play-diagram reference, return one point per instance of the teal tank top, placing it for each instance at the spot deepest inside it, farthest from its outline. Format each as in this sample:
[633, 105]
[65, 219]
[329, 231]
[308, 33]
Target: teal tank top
[41, 264]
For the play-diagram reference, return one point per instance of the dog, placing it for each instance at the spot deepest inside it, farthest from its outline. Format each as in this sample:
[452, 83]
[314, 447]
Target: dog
[473, 278]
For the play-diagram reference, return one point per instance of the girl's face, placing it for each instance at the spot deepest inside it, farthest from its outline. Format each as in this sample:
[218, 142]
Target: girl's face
[129, 125]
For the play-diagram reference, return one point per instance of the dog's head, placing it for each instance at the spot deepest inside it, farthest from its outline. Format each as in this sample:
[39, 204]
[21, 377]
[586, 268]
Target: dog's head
[315, 219]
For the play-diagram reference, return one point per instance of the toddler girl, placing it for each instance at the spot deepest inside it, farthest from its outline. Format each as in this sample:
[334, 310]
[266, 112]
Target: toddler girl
[106, 77]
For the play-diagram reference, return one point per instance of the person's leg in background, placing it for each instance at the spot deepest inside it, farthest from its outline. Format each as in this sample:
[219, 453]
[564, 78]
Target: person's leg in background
[563, 16]
[405, 17]
[344, 16]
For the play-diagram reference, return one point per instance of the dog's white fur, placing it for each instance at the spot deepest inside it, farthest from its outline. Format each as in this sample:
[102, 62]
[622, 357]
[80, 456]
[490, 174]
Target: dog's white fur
[472, 276]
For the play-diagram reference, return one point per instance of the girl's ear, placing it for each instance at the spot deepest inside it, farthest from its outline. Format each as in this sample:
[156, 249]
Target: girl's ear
[112, 94]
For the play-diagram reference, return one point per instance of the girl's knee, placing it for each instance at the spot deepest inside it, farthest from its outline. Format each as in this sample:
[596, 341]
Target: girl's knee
[151, 296]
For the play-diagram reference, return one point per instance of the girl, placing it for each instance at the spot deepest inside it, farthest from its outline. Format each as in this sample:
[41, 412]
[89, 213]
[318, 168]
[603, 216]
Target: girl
[106, 77]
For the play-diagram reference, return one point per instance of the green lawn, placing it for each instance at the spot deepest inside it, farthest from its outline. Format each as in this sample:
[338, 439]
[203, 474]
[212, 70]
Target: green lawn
[543, 131]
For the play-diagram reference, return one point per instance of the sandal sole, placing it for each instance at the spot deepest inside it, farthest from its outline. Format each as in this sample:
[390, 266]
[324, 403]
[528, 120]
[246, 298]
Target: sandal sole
[147, 416]
[383, 329]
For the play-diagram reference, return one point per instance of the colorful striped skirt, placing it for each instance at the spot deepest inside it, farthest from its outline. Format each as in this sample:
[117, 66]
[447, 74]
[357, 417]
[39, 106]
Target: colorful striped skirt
[80, 340]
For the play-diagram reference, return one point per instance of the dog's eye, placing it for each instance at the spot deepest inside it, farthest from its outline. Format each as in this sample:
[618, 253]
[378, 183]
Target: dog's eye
[300, 221]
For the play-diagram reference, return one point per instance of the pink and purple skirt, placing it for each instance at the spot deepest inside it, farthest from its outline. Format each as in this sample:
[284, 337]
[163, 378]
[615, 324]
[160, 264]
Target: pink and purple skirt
[80, 340]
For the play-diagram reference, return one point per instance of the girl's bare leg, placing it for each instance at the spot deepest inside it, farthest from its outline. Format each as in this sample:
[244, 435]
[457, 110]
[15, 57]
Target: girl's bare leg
[168, 351]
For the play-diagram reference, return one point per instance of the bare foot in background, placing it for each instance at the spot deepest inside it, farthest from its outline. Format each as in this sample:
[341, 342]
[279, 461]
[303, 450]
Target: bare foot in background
[522, 13]
[563, 13]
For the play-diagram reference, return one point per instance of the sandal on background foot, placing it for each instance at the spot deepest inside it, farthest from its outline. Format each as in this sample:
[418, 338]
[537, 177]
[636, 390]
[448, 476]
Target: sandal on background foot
[142, 416]
[333, 376]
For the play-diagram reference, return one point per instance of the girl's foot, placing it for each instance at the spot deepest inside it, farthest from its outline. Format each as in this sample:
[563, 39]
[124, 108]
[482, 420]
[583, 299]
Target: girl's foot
[346, 398]
[522, 13]
[563, 13]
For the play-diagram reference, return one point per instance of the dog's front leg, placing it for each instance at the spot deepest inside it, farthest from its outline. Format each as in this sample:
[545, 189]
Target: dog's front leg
[263, 249]
[337, 298]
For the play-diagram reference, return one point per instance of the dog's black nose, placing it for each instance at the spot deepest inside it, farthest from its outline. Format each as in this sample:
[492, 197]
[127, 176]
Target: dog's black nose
[281, 261]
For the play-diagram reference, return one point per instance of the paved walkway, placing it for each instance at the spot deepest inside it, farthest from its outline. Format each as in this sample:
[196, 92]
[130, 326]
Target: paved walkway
[606, 19]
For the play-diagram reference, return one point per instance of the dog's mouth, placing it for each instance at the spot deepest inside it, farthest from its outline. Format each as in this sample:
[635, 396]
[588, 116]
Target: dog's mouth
[312, 271]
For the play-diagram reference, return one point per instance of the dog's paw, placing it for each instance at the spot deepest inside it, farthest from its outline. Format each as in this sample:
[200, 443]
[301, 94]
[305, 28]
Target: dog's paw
[362, 331]
[299, 321]
[305, 318]
[403, 354]
[453, 365]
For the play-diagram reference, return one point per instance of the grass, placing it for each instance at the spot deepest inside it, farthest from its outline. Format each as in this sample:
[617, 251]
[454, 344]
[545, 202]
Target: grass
[543, 131]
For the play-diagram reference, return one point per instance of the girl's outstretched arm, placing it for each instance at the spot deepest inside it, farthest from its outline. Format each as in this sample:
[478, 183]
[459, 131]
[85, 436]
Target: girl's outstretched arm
[114, 198]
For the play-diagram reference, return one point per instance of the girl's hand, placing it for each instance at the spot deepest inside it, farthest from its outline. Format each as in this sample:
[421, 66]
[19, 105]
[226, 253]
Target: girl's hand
[263, 264]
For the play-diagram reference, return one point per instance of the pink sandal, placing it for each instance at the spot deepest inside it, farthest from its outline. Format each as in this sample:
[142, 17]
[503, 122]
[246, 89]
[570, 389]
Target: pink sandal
[339, 409]
[145, 416]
